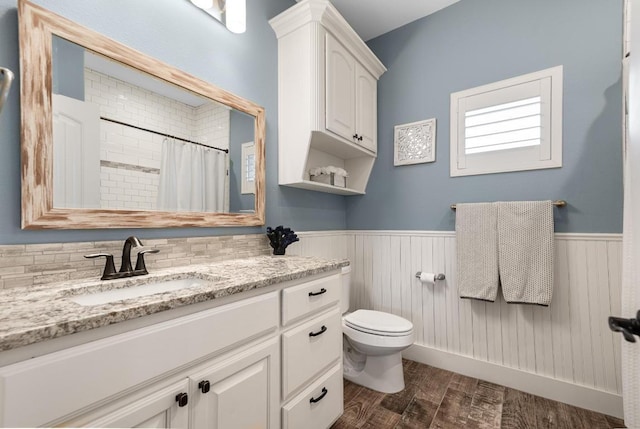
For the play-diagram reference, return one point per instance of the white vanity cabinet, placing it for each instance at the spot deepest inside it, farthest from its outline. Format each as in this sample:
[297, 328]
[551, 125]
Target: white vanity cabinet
[240, 392]
[312, 389]
[155, 407]
[246, 363]
[327, 104]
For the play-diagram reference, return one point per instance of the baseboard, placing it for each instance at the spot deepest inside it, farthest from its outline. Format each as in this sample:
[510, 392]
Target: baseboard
[557, 390]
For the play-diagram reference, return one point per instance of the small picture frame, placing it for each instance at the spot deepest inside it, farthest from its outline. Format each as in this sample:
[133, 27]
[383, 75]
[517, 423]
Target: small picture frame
[415, 143]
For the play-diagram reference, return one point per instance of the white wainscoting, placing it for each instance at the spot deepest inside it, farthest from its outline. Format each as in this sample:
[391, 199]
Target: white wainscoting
[569, 341]
[323, 244]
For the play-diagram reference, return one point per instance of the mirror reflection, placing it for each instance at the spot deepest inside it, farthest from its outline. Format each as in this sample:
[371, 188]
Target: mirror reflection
[123, 139]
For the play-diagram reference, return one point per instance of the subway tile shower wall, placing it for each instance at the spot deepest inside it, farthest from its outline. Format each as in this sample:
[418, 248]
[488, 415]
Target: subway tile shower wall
[36, 264]
[132, 157]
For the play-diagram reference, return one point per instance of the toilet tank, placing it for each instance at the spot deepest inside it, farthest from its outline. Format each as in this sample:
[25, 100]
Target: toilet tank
[346, 289]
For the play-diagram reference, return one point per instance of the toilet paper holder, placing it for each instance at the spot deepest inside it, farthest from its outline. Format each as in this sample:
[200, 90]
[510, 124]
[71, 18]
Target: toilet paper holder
[437, 276]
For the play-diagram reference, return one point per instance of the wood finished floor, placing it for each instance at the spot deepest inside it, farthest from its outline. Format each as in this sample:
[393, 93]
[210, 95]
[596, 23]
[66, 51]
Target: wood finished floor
[435, 398]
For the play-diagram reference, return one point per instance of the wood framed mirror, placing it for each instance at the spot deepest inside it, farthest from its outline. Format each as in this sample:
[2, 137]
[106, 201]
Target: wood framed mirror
[113, 138]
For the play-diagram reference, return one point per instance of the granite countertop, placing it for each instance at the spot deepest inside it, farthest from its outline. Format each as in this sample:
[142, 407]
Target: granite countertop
[34, 314]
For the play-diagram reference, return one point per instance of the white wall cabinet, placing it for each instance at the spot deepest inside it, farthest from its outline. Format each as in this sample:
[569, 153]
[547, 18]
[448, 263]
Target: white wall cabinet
[222, 367]
[327, 104]
[340, 90]
[351, 97]
[366, 109]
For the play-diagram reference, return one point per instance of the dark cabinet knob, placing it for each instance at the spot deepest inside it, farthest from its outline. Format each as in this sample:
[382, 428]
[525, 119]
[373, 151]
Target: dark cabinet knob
[359, 138]
[204, 386]
[355, 136]
[182, 399]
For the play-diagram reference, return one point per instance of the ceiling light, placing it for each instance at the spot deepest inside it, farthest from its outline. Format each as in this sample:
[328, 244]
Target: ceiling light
[236, 16]
[203, 4]
[232, 13]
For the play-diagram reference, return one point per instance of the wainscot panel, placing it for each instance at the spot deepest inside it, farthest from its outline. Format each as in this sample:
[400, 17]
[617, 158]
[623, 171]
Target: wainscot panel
[568, 343]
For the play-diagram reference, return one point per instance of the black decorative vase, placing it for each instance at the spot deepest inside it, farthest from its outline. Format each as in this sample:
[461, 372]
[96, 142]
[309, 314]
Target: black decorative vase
[280, 237]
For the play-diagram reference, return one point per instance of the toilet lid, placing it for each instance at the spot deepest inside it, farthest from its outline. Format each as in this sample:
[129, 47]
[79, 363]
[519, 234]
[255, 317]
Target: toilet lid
[377, 322]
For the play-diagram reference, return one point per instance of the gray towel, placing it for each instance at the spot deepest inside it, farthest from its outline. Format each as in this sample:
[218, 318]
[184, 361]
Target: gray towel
[477, 250]
[525, 251]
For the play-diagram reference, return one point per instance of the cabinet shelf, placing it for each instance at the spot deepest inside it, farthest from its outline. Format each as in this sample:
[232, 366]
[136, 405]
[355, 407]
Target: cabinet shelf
[323, 187]
[325, 143]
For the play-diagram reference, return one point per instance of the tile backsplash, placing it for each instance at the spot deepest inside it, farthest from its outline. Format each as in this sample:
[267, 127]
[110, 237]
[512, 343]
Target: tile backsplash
[25, 265]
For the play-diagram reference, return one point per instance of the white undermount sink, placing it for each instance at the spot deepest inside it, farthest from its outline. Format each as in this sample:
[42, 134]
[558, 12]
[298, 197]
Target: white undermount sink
[104, 297]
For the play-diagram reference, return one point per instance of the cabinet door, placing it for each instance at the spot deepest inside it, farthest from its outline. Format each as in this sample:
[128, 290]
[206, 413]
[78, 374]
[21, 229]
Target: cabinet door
[239, 392]
[340, 90]
[366, 108]
[152, 408]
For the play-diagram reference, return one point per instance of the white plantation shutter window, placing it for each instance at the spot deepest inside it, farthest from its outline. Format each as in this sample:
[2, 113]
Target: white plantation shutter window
[504, 126]
[512, 125]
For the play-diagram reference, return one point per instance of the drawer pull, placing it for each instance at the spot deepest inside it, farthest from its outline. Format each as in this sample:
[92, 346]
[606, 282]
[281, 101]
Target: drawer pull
[320, 332]
[319, 398]
[323, 290]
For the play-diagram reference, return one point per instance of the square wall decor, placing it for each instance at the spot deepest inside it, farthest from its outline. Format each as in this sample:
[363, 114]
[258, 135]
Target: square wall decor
[415, 143]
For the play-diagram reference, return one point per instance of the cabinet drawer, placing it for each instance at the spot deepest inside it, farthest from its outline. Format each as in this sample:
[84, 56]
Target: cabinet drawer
[121, 362]
[300, 301]
[318, 406]
[309, 348]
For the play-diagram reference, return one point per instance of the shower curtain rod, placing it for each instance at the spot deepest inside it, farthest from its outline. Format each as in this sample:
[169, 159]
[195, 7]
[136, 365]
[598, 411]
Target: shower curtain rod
[557, 203]
[162, 134]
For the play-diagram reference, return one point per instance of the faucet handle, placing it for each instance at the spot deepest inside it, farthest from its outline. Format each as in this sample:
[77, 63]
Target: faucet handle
[140, 265]
[109, 266]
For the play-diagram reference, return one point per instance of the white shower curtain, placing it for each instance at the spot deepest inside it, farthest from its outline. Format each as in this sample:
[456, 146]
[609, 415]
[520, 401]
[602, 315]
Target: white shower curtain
[192, 178]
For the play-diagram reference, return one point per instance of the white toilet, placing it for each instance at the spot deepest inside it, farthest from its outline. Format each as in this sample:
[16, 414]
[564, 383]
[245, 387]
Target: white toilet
[372, 343]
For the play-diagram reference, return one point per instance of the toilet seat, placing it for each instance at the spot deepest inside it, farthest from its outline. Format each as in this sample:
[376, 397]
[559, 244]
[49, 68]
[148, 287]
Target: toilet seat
[378, 323]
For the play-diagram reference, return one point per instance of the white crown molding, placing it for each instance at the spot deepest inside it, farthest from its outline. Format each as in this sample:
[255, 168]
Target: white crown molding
[324, 13]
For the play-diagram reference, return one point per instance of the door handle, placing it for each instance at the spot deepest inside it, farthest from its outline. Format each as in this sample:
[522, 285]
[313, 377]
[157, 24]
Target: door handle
[628, 327]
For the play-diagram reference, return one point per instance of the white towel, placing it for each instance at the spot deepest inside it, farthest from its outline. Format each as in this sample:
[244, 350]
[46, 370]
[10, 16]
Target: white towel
[477, 250]
[525, 251]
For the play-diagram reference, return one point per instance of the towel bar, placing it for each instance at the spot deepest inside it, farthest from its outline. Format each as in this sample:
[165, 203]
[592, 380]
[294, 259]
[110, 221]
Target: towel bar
[557, 203]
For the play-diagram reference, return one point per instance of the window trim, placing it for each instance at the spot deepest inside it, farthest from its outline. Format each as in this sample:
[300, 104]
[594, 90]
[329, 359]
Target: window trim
[509, 160]
[246, 186]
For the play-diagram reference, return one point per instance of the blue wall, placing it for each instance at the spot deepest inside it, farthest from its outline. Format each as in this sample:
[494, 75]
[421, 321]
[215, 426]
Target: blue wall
[67, 69]
[468, 44]
[240, 131]
[181, 35]
[476, 42]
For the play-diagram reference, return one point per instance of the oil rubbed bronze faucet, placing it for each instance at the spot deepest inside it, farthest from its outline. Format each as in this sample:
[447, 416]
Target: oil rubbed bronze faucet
[126, 270]
[130, 242]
